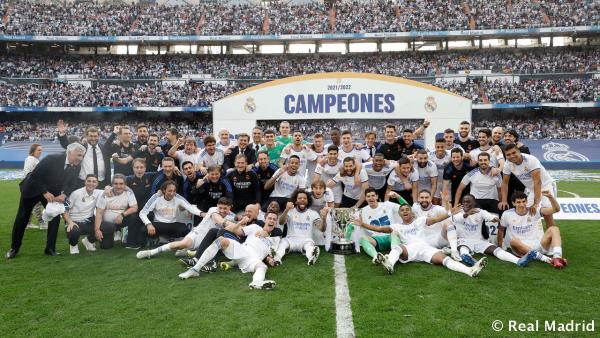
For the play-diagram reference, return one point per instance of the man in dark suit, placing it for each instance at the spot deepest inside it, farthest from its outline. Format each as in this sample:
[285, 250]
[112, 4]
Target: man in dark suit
[98, 163]
[54, 178]
[241, 148]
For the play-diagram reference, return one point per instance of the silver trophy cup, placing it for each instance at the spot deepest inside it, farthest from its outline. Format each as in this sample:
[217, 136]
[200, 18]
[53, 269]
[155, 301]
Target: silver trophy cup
[341, 218]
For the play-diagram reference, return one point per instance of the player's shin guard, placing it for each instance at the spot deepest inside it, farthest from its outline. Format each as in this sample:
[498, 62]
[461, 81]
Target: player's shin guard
[209, 254]
[396, 251]
[505, 256]
[367, 247]
[456, 266]
[452, 237]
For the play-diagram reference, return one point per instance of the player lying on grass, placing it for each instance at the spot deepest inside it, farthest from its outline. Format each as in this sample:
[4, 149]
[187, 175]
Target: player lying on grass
[525, 235]
[219, 216]
[408, 245]
[468, 224]
[300, 220]
[248, 256]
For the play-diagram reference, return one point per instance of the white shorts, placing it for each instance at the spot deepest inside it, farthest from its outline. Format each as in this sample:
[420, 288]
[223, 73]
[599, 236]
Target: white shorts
[243, 256]
[318, 236]
[419, 252]
[297, 243]
[436, 241]
[544, 202]
[196, 239]
[475, 245]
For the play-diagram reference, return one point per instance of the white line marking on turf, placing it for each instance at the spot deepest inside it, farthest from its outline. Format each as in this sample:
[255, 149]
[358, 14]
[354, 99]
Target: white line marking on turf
[343, 310]
[571, 193]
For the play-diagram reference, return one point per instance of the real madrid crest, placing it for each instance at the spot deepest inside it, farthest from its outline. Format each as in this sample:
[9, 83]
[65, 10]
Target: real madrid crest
[430, 104]
[250, 106]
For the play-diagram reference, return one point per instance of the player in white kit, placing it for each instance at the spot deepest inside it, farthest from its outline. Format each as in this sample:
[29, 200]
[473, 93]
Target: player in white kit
[248, 256]
[470, 239]
[427, 171]
[327, 170]
[303, 151]
[377, 172]
[409, 246]
[355, 181]
[218, 216]
[525, 234]
[440, 157]
[321, 197]
[300, 220]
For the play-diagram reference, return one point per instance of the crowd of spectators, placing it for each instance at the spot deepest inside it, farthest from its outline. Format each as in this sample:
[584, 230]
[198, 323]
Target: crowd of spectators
[347, 16]
[112, 95]
[411, 64]
[547, 128]
[546, 90]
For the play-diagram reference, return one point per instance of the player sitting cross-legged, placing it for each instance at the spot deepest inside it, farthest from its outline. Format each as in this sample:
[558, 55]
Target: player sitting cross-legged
[525, 234]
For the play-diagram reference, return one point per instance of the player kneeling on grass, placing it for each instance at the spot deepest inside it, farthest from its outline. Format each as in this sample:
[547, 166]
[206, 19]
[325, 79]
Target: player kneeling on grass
[300, 220]
[526, 236]
[469, 224]
[248, 256]
[409, 246]
[218, 216]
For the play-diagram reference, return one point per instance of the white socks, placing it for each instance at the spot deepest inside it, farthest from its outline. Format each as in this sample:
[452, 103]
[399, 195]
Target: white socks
[505, 256]
[259, 272]
[456, 266]
[208, 254]
[452, 237]
[281, 249]
[308, 250]
[557, 251]
[395, 254]
[160, 249]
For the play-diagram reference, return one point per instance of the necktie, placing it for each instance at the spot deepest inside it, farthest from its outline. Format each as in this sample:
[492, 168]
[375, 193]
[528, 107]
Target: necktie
[95, 159]
[257, 146]
[371, 151]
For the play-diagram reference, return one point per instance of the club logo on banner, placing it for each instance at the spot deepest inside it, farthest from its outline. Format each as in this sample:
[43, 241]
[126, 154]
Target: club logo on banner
[578, 209]
[557, 152]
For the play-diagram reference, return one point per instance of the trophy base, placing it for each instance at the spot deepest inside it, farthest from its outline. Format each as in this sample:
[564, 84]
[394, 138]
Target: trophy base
[342, 248]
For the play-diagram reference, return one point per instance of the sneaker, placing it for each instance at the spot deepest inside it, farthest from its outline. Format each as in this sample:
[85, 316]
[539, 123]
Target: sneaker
[277, 261]
[181, 253]
[558, 262]
[44, 226]
[143, 254]
[224, 266]
[73, 249]
[89, 246]
[210, 267]
[478, 266]
[32, 226]
[187, 262]
[455, 255]
[263, 285]
[190, 273]
[467, 259]
[389, 266]
[315, 256]
[117, 237]
[524, 261]
[376, 260]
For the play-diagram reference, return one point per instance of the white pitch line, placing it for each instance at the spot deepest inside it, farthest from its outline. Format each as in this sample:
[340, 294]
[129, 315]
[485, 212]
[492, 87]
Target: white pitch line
[571, 193]
[343, 310]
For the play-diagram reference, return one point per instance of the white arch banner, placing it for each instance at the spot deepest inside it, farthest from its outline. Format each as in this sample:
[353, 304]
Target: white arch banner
[341, 96]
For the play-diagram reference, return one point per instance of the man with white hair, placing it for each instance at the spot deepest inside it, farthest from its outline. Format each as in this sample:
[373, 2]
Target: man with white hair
[54, 178]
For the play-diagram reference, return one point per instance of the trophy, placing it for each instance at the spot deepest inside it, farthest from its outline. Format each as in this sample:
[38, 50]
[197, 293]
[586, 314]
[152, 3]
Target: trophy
[341, 231]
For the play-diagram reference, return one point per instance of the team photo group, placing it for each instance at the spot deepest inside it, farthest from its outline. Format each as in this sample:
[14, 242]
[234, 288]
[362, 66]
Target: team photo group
[250, 199]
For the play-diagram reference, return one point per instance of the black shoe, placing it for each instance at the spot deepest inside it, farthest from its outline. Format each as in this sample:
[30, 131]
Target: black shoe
[51, 252]
[12, 253]
[209, 267]
[133, 246]
[187, 262]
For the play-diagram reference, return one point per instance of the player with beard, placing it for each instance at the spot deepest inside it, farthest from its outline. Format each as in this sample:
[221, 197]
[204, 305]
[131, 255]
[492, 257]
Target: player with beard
[327, 169]
[348, 149]
[410, 147]
[440, 157]
[321, 197]
[244, 183]
[454, 173]
[468, 226]
[484, 185]
[297, 148]
[248, 256]
[392, 147]
[151, 153]
[427, 172]
[264, 170]
[318, 147]
[402, 180]
[464, 137]
[496, 156]
[300, 220]
[449, 140]
[355, 181]
[512, 137]
[285, 181]
[408, 245]
[378, 171]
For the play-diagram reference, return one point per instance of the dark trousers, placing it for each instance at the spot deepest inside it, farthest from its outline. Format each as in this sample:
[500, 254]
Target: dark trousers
[489, 205]
[347, 202]
[210, 237]
[24, 212]
[136, 232]
[83, 228]
[282, 201]
[108, 231]
[171, 230]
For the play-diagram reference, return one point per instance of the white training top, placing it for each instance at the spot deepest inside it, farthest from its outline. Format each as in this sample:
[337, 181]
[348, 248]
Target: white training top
[328, 171]
[494, 160]
[208, 222]
[523, 172]
[183, 157]
[215, 159]
[470, 227]
[166, 211]
[433, 211]
[115, 205]
[425, 175]
[523, 227]
[285, 185]
[440, 164]
[82, 204]
[351, 189]
[395, 182]
[377, 179]
[358, 154]
[381, 216]
[483, 186]
[300, 224]
[30, 163]
[410, 233]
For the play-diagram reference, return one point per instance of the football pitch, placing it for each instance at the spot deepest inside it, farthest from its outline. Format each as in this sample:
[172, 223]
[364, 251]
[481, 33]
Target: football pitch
[111, 293]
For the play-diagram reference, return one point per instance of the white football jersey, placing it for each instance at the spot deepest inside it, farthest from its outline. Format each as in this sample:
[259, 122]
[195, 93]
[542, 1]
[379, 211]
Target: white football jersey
[285, 185]
[410, 233]
[425, 175]
[328, 171]
[470, 227]
[304, 155]
[261, 246]
[395, 182]
[523, 171]
[358, 154]
[377, 179]
[483, 186]
[351, 189]
[381, 216]
[182, 156]
[300, 224]
[208, 222]
[215, 159]
[319, 203]
[433, 211]
[494, 161]
[440, 164]
[523, 227]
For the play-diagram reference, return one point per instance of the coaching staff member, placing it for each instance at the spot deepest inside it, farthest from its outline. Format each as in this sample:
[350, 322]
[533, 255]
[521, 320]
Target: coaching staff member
[54, 178]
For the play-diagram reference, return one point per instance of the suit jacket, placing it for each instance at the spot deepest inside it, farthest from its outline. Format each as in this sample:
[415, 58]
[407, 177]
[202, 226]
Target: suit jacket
[230, 159]
[51, 176]
[106, 153]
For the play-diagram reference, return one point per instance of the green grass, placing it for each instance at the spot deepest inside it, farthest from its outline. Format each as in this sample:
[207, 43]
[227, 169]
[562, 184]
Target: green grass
[110, 293]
